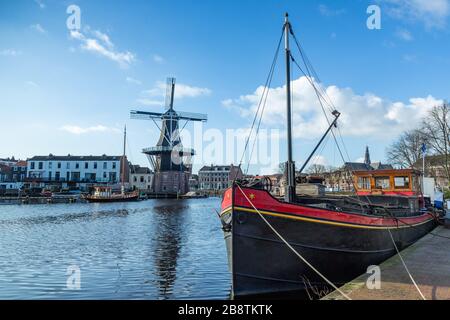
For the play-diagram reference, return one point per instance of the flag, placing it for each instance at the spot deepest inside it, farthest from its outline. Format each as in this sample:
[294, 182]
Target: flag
[424, 149]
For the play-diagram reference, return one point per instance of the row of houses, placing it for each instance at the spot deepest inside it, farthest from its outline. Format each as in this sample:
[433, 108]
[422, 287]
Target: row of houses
[79, 172]
[72, 172]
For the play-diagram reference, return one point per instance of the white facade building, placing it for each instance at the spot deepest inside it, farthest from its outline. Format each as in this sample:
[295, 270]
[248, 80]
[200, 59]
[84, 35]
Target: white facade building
[217, 177]
[141, 178]
[75, 169]
[8, 161]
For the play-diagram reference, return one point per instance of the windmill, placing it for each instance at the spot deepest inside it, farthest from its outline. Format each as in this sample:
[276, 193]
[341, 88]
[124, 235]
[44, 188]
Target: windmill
[169, 160]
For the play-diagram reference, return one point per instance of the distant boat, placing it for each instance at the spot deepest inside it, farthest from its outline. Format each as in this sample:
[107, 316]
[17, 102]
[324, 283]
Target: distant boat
[106, 194]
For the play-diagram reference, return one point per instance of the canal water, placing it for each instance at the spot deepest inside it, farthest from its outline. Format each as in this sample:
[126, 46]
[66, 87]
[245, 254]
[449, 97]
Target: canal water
[153, 249]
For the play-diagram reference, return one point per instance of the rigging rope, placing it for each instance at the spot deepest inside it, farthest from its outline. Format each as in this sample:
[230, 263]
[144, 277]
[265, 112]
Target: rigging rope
[266, 87]
[406, 268]
[266, 92]
[292, 249]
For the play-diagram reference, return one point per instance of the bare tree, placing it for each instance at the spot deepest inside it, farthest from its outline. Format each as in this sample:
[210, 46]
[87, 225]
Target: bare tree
[405, 151]
[435, 128]
[316, 169]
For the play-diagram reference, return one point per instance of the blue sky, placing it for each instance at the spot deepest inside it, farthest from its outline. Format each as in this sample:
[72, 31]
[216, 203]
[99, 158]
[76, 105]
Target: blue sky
[63, 92]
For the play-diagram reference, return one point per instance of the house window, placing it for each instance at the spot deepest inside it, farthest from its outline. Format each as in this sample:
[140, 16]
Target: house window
[382, 182]
[77, 165]
[95, 165]
[105, 165]
[59, 165]
[135, 179]
[86, 165]
[364, 183]
[50, 165]
[67, 165]
[113, 165]
[142, 179]
[41, 165]
[104, 175]
[401, 182]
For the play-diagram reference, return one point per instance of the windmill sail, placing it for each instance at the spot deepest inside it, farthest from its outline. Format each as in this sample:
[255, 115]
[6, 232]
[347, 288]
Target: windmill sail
[170, 90]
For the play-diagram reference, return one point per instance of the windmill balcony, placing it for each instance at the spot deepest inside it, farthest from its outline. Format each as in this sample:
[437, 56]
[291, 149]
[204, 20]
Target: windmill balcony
[159, 149]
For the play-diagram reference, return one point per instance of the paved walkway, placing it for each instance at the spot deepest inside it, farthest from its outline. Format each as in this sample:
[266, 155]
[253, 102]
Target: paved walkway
[428, 260]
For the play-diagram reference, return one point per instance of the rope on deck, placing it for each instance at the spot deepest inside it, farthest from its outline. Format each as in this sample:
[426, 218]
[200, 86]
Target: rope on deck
[293, 250]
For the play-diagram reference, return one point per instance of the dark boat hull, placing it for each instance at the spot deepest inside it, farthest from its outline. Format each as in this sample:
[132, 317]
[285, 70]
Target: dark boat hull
[262, 264]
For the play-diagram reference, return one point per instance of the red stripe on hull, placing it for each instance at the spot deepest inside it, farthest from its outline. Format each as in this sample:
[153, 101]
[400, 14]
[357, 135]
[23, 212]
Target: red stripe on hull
[262, 200]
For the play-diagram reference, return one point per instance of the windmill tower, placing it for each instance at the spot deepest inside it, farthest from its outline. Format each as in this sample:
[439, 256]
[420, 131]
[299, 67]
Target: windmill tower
[169, 160]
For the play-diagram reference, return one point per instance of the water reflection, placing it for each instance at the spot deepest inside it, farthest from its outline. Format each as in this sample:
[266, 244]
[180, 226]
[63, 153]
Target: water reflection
[68, 217]
[154, 249]
[169, 236]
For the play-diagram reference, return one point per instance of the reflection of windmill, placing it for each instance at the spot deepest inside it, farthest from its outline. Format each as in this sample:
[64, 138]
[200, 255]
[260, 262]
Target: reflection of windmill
[170, 161]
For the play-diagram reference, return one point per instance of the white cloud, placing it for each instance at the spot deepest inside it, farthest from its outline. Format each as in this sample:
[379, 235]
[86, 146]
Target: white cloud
[181, 91]
[361, 115]
[40, 4]
[38, 28]
[150, 102]
[158, 59]
[80, 130]
[32, 84]
[404, 34]
[104, 38]
[103, 46]
[410, 58]
[319, 160]
[329, 12]
[134, 81]
[432, 13]
[10, 52]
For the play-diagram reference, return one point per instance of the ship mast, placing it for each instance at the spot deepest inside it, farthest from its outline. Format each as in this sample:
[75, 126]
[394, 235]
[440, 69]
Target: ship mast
[290, 165]
[123, 160]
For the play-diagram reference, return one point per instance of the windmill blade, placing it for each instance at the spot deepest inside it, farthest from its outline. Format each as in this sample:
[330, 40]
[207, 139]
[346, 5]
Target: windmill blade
[192, 116]
[144, 115]
[170, 91]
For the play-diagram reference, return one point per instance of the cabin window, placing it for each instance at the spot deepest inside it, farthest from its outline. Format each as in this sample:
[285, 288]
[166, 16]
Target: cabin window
[401, 182]
[364, 183]
[382, 182]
